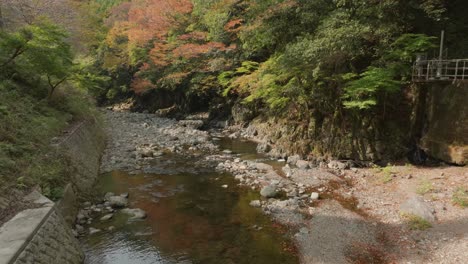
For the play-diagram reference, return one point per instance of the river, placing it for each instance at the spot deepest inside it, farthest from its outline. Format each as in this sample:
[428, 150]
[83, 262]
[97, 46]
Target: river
[194, 214]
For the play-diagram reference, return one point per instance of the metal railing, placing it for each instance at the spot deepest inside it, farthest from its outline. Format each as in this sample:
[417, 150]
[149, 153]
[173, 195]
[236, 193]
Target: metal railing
[440, 70]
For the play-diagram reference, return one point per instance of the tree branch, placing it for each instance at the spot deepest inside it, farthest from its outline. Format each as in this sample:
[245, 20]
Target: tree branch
[53, 86]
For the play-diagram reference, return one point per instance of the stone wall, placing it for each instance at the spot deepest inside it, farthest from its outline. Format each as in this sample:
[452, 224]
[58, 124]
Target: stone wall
[43, 234]
[39, 235]
[83, 145]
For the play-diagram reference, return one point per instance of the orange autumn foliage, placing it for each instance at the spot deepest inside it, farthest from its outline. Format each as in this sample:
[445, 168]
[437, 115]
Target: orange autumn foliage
[191, 50]
[141, 85]
[150, 19]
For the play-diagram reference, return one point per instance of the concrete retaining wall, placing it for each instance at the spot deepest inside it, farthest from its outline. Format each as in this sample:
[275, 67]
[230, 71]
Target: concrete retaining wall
[44, 234]
[446, 136]
[83, 146]
[39, 235]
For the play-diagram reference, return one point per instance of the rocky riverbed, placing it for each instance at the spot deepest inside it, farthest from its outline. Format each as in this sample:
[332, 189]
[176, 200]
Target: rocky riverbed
[344, 214]
[334, 212]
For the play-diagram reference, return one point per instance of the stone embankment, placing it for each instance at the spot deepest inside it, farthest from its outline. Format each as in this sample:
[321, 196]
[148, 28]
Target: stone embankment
[39, 235]
[43, 233]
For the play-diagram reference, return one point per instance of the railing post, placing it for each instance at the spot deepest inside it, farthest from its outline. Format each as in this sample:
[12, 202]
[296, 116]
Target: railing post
[463, 73]
[456, 70]
[427, 73]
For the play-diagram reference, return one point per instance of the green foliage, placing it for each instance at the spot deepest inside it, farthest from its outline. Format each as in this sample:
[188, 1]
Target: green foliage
[424, 187]
[39, 50]
[362, 93]
[36, 63]
[407, 46]
[416, 222]
[338, 69]
[26, 128]
[105, 5]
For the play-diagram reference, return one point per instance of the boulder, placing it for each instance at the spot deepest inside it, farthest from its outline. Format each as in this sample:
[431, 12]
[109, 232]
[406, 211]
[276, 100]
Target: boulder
[94, 230]
[338, 165]
[146, 153]
[118, 201]
[302, 164]
[135, 213]
[293, 159]
[269, 191]
[255, 203]
[107, 195]
[196, 124]
[106, 217]
[314, 196]
[263, 147]
[417, 206]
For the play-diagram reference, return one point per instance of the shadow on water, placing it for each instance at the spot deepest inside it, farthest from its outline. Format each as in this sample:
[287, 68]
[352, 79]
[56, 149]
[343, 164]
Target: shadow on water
[191, 218]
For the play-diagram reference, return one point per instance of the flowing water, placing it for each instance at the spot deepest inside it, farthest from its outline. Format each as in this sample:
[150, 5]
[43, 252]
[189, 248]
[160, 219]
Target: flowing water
[191, 218]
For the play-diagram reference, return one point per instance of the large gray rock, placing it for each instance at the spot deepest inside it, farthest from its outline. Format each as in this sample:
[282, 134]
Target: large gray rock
[417, 206]
[293, 159]
[255, 203]
[338, 165]
[302, 164]
[269, 191]
[263, 147]
[147, 153]
[106, 217]
[135, 213]
[117, 201]
[196, 124]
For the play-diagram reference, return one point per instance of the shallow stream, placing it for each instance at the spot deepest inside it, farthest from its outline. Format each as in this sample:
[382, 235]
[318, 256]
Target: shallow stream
[194, 215]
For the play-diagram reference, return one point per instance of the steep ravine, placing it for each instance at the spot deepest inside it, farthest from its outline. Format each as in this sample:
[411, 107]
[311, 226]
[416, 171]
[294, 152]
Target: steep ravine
[203, 197]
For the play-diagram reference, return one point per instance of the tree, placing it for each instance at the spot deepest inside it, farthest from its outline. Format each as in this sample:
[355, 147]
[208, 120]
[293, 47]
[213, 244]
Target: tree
[39, 49]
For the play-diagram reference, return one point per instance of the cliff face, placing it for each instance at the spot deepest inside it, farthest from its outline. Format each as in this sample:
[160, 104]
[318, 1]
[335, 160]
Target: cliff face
[446, 129]
[438, 121]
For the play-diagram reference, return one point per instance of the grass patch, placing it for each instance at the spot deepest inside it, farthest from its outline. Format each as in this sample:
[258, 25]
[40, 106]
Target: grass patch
[386, 178]
[386, 174]
[415, 222]
[460, 197]
[424, 187]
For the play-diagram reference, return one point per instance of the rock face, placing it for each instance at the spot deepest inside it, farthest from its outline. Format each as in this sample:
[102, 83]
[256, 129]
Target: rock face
[417, 206]
[117, 201]
[269, 191]
[263, 147]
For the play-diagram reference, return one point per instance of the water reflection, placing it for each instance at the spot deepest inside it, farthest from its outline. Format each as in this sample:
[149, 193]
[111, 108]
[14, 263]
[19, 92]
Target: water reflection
[191, 219]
